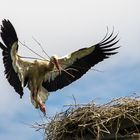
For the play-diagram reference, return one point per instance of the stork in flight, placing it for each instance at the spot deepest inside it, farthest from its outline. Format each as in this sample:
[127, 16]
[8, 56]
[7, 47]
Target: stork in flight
[44, 76]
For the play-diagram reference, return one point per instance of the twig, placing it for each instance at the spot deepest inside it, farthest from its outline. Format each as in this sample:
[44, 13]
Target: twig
[31, 50]
[41, 48]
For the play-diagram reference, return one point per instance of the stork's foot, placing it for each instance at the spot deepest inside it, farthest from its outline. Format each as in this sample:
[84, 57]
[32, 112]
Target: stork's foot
[43, 108]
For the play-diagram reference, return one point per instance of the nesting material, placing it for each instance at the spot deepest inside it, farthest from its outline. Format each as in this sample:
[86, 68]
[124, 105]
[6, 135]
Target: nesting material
[120, 117]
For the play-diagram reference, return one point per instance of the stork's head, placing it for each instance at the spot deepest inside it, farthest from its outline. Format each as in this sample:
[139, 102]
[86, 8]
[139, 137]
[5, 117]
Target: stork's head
[54, 60]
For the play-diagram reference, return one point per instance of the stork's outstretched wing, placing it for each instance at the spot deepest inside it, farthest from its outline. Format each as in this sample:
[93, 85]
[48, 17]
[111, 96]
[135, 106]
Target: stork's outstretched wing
[79, 62]
[9, 37]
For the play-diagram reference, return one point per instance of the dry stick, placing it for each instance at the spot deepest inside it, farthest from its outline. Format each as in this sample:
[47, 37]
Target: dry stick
[121, 113]
[31, 50]
[63, 63]
[41, 47]
[118, 128]
[64, 71]
[46, 55]
[84, 68]
[74, 100]
[68, 73]
[39, 55]
[40, 116]
[49, 56]
[37, 126]
[31, 57]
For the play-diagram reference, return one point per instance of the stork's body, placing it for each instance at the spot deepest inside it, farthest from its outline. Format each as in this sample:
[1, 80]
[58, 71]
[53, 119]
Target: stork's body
[33, 73]
[36, 73]
[43, 76]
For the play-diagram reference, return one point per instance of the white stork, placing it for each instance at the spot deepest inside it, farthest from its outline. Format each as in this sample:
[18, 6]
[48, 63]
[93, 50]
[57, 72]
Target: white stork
[44, 76]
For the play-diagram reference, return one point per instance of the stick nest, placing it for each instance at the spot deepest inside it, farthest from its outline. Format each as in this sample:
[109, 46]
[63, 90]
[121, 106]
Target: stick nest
[119, 117]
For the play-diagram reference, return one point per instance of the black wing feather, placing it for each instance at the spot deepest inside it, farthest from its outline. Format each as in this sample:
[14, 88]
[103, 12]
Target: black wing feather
[9, 36]
[102, 51]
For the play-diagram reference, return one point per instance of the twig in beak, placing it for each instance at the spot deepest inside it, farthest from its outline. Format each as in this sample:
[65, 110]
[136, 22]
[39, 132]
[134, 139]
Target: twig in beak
[68, 73]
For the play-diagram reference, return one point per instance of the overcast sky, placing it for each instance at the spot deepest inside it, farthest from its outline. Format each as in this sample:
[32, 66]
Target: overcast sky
[63, 27]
